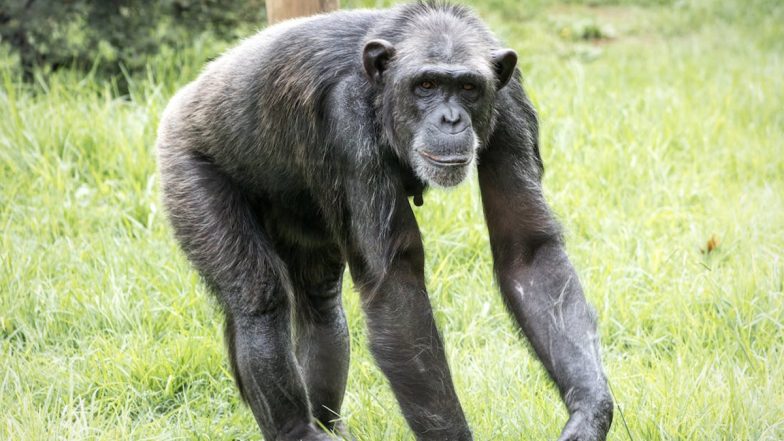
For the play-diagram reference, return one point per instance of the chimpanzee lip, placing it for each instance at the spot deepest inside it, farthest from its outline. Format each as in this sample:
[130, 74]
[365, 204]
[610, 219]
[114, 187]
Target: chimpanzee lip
[446, 160]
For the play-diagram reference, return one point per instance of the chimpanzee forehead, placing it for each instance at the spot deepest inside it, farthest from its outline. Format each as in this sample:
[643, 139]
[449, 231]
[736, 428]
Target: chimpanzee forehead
[446, 49]
[439, 72]
[464, 64]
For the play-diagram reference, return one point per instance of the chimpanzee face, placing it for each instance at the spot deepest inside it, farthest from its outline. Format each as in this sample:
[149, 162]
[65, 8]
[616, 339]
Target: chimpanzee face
[448, 99]
[437, 107]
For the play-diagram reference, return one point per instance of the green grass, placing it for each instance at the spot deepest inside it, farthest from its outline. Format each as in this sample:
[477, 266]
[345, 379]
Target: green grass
[655, 140]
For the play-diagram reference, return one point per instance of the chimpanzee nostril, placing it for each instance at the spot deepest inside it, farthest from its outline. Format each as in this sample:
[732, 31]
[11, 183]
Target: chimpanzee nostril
[451, 117]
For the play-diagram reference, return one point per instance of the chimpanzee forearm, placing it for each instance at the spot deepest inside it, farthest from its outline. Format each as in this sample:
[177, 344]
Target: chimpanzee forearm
[543, 293]
[403, 336]
[409, 350]
[539, 285]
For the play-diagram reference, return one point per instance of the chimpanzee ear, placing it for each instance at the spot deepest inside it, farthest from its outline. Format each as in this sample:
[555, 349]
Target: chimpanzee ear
[375, 57]
[504, 62]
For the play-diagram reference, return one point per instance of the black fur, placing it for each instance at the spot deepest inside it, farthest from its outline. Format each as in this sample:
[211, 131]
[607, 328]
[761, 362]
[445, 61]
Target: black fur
[294, 154]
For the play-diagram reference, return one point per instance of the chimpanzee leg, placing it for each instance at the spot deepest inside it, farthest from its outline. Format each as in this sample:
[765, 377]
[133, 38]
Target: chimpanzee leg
[322, 338]
[225, 241]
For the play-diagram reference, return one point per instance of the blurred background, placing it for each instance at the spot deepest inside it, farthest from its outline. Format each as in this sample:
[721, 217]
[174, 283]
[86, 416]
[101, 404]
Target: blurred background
[662, 133]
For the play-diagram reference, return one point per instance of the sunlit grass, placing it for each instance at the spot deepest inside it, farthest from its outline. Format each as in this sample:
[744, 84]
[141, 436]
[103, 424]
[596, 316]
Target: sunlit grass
[655, 140]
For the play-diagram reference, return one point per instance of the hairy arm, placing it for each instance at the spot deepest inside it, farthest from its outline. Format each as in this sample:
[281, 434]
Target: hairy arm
[385, 255]
[537, 281]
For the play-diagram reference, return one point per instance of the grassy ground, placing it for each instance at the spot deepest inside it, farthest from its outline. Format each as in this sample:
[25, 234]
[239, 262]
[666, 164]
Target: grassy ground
[665, 133]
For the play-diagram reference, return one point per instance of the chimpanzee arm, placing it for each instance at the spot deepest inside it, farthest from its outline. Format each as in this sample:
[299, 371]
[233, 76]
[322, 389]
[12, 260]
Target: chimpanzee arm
[539, 285]
[386, 259]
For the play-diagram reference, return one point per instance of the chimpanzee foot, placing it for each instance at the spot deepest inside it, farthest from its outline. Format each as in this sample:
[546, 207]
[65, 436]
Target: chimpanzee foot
[590, 424]
[307, 432]
[342, 432]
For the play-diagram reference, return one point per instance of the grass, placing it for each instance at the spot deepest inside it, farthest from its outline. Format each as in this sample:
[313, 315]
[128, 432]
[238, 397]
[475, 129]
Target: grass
[662, 128]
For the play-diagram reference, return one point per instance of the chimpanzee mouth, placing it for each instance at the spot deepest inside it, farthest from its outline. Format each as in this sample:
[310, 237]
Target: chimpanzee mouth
[446, 160]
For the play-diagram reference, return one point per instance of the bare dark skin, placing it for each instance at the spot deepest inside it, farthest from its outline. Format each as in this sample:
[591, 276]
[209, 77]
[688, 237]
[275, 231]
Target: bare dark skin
[295, 154]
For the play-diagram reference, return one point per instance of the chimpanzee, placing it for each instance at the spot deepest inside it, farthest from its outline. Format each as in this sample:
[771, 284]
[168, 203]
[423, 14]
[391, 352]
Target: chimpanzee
[295, 153]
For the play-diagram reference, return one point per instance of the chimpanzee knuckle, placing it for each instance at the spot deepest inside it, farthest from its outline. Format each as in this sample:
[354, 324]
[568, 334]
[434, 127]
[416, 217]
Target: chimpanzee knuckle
[603, 413]
[303, 432]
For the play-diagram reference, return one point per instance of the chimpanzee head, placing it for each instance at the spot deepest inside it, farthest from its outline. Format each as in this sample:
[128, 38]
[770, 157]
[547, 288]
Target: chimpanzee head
[437, 87]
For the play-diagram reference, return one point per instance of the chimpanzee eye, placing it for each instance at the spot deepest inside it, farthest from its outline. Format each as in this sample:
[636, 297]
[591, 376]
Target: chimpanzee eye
[427, 84]
[468, 86]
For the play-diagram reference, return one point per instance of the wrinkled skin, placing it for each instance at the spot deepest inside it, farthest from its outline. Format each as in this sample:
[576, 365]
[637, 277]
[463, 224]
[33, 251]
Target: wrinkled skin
[294, 154]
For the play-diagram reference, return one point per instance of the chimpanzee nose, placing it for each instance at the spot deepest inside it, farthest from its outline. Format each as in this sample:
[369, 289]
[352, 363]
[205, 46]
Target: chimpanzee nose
[452, 121]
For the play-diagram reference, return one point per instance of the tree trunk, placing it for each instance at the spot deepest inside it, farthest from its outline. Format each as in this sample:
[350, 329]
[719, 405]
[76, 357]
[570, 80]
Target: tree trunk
[279, 10]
